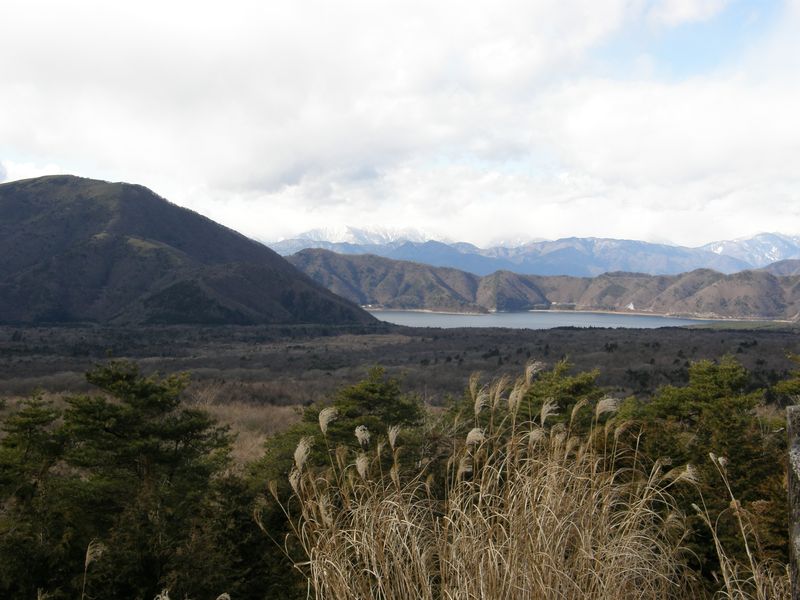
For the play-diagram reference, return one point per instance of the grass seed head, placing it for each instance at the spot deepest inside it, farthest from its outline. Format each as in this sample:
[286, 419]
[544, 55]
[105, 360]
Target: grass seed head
[515, 397]
[548, 410]
[362, 435]
[531, 369]
[606, 405]
[474, 382]
[294, 480]
[392, 434]
[94, 551]
[302, 451]
[481, 401]
[326, 416]
[362, 465]
[272, 486]
[475, 436]
[576, 409]
[464, 467]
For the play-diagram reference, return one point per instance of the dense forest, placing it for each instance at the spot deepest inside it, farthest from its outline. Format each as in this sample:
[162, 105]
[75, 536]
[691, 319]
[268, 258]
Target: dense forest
[131, 489]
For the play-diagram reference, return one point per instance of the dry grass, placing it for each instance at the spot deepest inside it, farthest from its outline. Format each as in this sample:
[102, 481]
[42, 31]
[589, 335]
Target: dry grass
[754, 579]
[522, 511]
[252, 423]
[540, 517]
[538, 513]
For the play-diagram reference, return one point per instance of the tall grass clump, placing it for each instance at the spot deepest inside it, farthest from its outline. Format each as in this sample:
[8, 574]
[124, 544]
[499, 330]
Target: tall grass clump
[521, 508]
[755, 578]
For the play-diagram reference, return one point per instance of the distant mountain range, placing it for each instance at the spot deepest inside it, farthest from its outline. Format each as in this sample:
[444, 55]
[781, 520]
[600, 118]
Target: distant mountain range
[80, 250]
[760, 250]
[770, 293]
[580, 257]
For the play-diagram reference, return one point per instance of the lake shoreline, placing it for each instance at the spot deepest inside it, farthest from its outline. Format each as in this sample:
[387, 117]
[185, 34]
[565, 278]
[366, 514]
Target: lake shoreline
[543, 319]
[690, 317]
[433, 312]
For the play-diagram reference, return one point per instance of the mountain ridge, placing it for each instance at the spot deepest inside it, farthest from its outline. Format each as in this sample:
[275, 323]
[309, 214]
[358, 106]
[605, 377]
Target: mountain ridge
[379, 282]
[580, 257]
[81, 250]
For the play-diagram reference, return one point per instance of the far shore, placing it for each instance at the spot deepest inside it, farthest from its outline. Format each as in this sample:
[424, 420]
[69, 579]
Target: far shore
[429, 310]
[692, 317]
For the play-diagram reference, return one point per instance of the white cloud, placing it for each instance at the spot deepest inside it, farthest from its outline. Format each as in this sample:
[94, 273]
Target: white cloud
[12, 170]
[677, 12]
[260, 94]
[474, 121]
[673, 133]
[481, 204]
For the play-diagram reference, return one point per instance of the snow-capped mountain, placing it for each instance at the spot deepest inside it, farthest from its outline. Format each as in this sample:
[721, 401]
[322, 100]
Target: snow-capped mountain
[759, 250]
[355, 235]
[581, 257]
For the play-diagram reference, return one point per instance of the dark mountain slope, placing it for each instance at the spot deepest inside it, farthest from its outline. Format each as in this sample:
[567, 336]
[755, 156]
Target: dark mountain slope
[390, 283]
[506, 291]
[80, 250]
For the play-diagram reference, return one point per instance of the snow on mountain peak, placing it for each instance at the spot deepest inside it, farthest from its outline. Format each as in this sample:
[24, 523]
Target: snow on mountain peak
[367, 236]
[758, 250]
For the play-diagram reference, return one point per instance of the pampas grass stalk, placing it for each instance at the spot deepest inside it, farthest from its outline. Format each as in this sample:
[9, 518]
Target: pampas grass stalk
[533, 513]
[94, 550]
[523, 510]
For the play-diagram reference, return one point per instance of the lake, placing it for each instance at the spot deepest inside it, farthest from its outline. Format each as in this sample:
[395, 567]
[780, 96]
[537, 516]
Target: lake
[531, 320]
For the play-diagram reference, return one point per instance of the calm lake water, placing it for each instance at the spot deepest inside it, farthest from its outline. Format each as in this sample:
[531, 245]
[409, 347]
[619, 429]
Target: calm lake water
[531, 320]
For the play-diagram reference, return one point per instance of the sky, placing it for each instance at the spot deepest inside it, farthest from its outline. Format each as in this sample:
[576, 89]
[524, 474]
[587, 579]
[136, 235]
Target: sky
[484, 121]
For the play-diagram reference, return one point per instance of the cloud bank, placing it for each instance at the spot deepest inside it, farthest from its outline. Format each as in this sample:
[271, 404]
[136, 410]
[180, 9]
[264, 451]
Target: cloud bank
[482, 121]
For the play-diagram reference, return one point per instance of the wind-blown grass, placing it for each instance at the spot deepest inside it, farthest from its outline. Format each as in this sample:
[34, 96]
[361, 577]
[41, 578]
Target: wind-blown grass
[522, 510]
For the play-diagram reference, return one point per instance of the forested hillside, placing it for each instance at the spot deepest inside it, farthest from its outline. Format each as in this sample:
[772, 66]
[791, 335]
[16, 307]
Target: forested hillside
[81, 250]
[386, 283]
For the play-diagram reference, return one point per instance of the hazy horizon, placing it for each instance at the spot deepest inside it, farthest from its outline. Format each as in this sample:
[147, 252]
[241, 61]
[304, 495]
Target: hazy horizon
[337, 234]
[420, 235]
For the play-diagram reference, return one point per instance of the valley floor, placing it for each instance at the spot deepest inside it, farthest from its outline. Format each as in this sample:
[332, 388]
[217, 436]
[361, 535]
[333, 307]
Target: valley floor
[264, 364]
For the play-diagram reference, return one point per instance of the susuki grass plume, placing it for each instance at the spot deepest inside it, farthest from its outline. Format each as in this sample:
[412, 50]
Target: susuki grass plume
[326, 416]
[94, 550]
[521, 509]
[528, 512]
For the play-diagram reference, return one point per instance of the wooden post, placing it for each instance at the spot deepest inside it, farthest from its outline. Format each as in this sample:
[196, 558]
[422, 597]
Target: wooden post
[793, 429]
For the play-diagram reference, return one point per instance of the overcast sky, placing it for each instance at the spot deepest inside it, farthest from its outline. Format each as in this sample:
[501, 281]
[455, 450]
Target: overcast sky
[663, 120]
